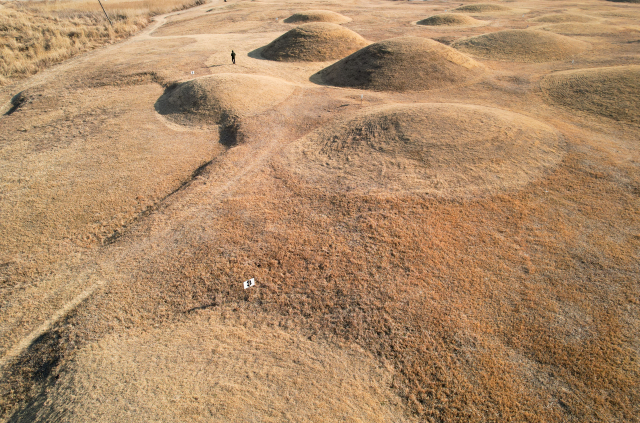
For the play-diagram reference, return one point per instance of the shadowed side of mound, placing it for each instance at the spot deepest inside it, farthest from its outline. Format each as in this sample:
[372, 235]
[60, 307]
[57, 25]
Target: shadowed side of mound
[446, 150]
[522, 45]
[314, 42]
[613, 92]
[450, 19]
[317, 16]
[403, 64]
[221, 100]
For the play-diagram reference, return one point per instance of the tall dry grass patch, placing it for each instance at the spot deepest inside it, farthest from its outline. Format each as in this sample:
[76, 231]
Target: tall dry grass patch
[35, 35]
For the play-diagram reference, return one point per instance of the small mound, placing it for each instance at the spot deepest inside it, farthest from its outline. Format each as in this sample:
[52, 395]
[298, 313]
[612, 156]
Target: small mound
[589, 29]
[314, 42]
[613, 92]
[447, 150]
[450, 19]
[522, 45]
[216, 99]
[481, 8]
[402, 64]
[317, 16]
[561, 18]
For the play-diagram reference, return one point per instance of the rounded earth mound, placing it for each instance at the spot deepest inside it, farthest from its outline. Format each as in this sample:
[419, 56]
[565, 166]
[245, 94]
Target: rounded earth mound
[217, 98]
[317, 16]
[613, 92]
[314, 42]
[481, 8]
[561, 18]
[588, 29]
[522, 45]
[205, 370]
[403, 64]
[450, 19]
[447, 150]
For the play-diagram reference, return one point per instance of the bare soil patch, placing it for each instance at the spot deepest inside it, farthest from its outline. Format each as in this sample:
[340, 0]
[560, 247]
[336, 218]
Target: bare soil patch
[314, 42]
[317, 16]
[522, 45]
[403, 64]
[613, 92]
[450, 19]
[445, 150]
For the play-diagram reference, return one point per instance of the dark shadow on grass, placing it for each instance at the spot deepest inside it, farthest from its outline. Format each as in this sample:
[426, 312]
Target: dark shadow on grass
[257, 53]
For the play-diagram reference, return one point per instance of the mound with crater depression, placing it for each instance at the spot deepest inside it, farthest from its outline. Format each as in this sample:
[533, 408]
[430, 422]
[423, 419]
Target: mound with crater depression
[317, 16]
[314, 42]
[447, 150]
[403, 64]
[218, 98]
[522, 45]
[450, 19]
[481, 8]
[613, 92]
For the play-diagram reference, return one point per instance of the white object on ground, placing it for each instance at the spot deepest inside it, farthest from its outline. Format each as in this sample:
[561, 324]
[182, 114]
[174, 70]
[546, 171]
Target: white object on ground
[248, 284]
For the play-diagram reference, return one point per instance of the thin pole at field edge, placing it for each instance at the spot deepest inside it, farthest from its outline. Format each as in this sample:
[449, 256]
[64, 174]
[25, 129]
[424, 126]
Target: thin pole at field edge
[105, 12]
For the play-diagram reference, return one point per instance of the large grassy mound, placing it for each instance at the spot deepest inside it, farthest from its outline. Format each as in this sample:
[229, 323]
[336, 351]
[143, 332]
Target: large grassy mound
[450, 19]
[317, 16]
[448, 150]
[522, 45]
[561, 18]
[314, 42]
[613, 92]
[216, 99]
[481, 8]
[403, 64]
[587, 29]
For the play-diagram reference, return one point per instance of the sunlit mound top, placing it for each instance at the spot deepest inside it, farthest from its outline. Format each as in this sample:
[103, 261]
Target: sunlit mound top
[481, 8]
[317, 16]
[403, 64]
[314, 42]
[447, 150]
[561, 18]
[613, 92]
[213, 99]
[450, 19]
[522, 45]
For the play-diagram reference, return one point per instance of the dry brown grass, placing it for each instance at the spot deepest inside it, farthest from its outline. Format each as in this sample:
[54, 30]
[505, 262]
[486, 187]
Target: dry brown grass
[561, 18]
[586, 29]
[314, 42]
[445, 150]
[481, 8]
[450, 19]
[36, 35]
[521, 45]
[403, 64]
[613, 92]
[317, 16]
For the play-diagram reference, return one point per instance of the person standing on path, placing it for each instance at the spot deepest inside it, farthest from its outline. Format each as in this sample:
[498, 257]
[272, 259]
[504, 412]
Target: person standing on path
[233, 57]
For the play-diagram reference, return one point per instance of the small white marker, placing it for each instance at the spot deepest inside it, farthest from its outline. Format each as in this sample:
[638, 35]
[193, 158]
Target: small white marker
[572, 62]
[192, 72]
[276, 19]
[248, 284]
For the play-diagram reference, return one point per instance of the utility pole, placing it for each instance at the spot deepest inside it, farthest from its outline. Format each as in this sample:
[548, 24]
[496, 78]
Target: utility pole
[105, 12]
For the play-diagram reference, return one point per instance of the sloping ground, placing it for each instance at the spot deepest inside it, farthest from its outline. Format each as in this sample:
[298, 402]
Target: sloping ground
[205, 370]
[522, 45]
[588, 29]
[561, 18]
[613, 92]
[220, 98]
[450, 19]
[481, 8]
[314, 42]
[445, 150]
[317, 16]
[403, 64]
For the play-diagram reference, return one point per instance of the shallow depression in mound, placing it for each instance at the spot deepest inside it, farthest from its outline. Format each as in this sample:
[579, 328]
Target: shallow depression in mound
[215, 99]
[522, 45]
[448, 150]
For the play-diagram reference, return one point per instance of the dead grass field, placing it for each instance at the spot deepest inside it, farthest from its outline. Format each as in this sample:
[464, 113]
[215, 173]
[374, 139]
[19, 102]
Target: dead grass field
[458, 241]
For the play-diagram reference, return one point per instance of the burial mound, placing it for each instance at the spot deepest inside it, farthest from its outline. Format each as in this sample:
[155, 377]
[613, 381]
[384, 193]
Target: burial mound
[450, 19]
[587, 29]
[317, 16]
[521, 45]
[314, 42]
[561, 18]
[402, 64]
[220, 98]
[481, 8]
[447, 150]
[613, 92]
